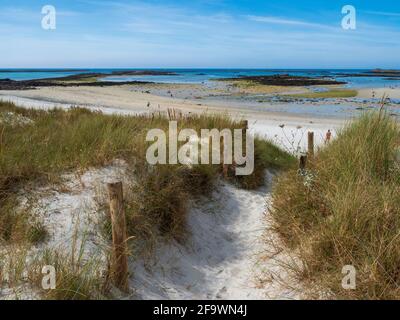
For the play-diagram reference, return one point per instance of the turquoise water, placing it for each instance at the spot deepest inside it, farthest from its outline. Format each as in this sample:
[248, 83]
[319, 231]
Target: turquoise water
[203, 75]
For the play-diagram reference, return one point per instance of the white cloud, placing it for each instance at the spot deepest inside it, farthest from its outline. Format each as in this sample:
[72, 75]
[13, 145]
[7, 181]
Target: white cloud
[283, 21]
[382, 13]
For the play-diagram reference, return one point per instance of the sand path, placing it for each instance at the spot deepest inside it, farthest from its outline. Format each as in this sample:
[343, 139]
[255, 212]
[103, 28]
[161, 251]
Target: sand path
[226, 257]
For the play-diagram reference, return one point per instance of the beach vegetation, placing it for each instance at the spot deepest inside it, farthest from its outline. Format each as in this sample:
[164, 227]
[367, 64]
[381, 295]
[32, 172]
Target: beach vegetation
[345, 211]
[53, 142]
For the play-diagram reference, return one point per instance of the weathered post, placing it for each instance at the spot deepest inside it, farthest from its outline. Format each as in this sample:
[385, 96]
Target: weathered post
[310, 144]
[303, 163]
[119, 268]
[225, 170]
[245, 126]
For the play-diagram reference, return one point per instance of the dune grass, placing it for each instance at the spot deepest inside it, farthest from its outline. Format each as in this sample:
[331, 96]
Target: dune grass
[345, 210]
[59, 141]
[77, 277]
[47, 144]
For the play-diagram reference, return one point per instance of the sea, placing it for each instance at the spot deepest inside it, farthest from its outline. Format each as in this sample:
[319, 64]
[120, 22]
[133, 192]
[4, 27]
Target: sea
[196, 76]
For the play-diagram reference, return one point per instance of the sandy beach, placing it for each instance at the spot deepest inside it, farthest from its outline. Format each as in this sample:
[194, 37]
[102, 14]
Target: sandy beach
[202, 151]
[246, 262]
[238, 213]
[392, 93]
[286, 122]
[284, 128]
[233, 220]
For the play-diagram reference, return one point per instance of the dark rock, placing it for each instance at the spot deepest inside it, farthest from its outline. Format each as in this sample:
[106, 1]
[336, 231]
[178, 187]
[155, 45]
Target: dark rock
[286, 80]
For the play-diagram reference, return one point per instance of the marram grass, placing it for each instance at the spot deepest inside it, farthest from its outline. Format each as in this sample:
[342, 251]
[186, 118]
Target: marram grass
[47, 144]
[348, 211]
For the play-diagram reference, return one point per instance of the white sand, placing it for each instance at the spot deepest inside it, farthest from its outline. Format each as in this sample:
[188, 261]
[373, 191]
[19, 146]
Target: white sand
[227, 256]
[75, 212]
[71, 215]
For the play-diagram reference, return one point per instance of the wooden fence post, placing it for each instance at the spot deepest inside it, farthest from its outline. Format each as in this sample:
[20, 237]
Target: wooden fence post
[119, 268]
[310, 144]
[303, 163]
[245, 126]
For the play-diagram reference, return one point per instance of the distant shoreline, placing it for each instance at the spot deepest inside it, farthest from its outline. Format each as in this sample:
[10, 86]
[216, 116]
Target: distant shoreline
[355, 78]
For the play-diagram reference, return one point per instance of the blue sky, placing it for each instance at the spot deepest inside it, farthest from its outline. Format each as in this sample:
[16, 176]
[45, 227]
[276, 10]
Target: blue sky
[200, 33]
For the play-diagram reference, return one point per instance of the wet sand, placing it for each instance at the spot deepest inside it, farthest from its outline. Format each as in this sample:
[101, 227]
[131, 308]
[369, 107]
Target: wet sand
[271, 115]
[391, 92]
[139, 99]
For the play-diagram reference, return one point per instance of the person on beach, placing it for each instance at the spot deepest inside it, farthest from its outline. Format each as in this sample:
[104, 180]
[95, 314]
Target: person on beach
[328, 136]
